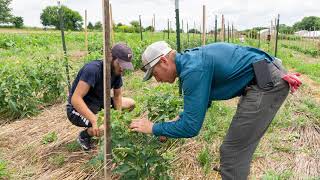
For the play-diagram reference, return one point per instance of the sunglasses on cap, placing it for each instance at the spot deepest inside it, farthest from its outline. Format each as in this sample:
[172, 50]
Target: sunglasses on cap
[144, 69]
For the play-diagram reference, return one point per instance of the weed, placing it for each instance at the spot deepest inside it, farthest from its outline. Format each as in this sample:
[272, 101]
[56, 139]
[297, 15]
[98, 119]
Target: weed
[4, 173]
[49, 138]
[57, 160]
[205, 159]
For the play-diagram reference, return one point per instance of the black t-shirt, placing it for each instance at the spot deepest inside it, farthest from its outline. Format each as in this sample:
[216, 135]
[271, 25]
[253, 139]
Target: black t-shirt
[92, 73]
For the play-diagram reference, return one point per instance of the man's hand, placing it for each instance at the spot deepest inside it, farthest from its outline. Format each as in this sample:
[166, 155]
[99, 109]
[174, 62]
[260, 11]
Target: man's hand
[293, 81]
[142, 125]
[95, 130]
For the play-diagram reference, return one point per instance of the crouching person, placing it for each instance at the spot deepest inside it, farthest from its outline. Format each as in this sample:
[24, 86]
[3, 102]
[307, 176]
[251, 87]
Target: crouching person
[86, 94]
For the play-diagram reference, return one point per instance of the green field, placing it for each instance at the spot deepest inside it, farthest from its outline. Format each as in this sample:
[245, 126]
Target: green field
[33, 82]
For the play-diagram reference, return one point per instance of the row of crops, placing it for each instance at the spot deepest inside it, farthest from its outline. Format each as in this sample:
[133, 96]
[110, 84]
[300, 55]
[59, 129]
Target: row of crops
[32, 69]
[31, 74]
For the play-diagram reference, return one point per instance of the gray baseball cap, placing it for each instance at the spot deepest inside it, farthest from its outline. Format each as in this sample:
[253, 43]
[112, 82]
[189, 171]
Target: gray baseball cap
[124, 55]
[152, 55]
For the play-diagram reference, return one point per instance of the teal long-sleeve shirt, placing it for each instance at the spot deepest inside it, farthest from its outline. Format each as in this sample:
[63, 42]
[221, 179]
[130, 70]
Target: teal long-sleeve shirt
[216, 71]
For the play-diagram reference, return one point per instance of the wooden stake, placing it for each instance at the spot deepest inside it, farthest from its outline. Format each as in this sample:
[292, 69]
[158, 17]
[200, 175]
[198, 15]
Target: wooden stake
[228, 32]
[168, 29]
[200, 35]
[188, 33]
[194, 28]
[106, 89]
[277, 33]
[86, 32]
[154, 22]
[182, 26]
[222, 28]
[204, 26]
[215, 28]
[141, 37]
[111, 26]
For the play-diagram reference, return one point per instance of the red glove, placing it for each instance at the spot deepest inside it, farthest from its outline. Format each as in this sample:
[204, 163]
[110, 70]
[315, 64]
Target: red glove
[162, 139]
[293, 81]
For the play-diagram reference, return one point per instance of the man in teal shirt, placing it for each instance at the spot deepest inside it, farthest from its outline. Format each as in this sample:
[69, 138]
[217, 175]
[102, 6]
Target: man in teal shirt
[219, 71]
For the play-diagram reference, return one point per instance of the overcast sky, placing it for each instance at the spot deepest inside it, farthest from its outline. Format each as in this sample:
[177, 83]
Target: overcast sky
[243, 13]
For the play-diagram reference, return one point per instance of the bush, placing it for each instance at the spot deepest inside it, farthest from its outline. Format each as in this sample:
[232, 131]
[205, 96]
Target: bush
[25, 85]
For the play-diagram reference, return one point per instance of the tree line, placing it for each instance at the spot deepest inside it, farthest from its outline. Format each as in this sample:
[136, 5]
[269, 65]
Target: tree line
[6, 16]
[74, 21]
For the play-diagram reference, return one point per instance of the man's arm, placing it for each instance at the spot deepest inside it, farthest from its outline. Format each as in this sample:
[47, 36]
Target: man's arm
[79, 104]
[197, 87]
[117, 98]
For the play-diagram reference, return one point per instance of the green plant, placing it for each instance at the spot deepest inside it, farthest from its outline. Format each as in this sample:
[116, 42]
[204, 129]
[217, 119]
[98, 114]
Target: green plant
[205, 159]
[50, 137]
[4, 173]
[273, 175]
[140, 156]
[217, 121]
[57, 160]
[73, 146]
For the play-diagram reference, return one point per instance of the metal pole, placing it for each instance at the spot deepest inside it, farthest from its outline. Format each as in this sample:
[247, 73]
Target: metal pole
[228, 33]
[141, 37]
[106, 88]
[215, 28]
[178, 36]
[204, 25]
[178, 26]
[259, 39]
[64, 45]
[277, 32]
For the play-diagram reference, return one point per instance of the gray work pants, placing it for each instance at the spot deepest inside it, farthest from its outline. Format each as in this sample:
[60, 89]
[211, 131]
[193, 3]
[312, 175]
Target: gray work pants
[255, 111]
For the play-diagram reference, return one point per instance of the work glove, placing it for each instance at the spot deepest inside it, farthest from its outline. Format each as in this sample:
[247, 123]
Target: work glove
[293, 81]
[162, 139]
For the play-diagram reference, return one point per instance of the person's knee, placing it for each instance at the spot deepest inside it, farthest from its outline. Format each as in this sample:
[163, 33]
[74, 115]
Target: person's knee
[225, 149]
[128, 103]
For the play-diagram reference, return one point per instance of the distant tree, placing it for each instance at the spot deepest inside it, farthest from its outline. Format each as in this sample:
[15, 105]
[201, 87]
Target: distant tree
[5, 11]
[285, 29]
[90, 26]
[259, 28]
[126, 29]
[135, 23]
[194, 31]
[119, 24]
[98, 26]
[149, 28]
[166, 30]
[308, 23]
[72, 19]
[250, 32]
[17, 21]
